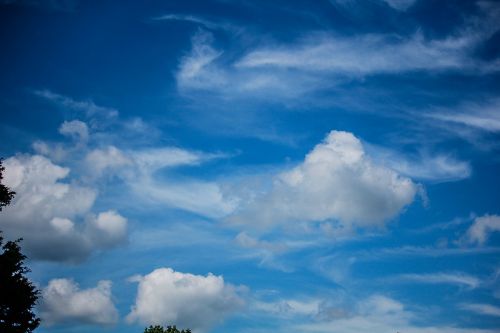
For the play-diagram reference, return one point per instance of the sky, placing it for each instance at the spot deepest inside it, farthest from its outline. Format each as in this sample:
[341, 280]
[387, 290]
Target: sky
[255, 166]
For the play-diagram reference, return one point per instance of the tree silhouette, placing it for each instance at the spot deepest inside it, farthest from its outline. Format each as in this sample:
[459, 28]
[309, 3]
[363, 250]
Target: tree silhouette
[17, 294]
[160, 329]
[6, 194]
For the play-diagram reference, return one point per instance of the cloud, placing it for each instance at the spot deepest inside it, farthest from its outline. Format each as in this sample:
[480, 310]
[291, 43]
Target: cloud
[482, 309]
[336, 182]
[63, 302]
[376, 314]
[401, 5]
[45, 208]
[459, 279]
[165, 296]
[481, 116]
[99, 115]
[358, 56]
[100, 160]
[479, 232]
[75, 129]
[286, 72]
[289, 308]
[195, 69]
[423, 166]
[202, 197]
[196, 20]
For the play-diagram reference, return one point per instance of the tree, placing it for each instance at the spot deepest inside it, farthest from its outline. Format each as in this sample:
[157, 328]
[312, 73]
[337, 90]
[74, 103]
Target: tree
[160, 329]
[17, 294]
[6, 194]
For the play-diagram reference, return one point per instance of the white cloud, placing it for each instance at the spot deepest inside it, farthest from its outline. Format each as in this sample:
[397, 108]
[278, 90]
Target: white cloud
[285, 72]
[423, 166]
[459, 279]
[75, 129]
[481, 229]
[107, 229]
[362, 55]
[45, 208]
[338, 182]
[401, 5]
[483, 116]
[195, 70]
[88, 107]
[198, 302]
[100, 160]
[376, 314]
[289, 308]
[482, 309]
[63, 301]
[196, 20]
[202, 197]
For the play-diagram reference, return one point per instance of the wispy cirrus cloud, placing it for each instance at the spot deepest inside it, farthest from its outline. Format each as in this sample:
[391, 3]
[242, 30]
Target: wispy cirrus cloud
[209, 24]
[481, 309]
[459, 279]
[376, 313]
[437, 167]
[482, 116]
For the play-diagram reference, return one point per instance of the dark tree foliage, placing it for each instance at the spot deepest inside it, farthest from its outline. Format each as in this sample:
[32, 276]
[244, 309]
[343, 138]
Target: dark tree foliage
[160, 329]
[6, 194]
[17, 294]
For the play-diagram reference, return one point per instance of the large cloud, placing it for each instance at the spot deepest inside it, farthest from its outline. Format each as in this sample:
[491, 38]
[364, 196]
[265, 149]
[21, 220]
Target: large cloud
[45, 209]
[64, 302]
[336, 182]
[168, 297]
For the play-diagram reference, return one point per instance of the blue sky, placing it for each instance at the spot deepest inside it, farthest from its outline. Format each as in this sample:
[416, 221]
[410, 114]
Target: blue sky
[255, 166]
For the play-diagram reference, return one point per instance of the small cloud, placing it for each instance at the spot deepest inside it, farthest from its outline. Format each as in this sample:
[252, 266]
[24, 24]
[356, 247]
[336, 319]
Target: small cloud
[401, 5]
[63, 302]
[482, 309]
[480, 230]
[459, 279]
[75, 129]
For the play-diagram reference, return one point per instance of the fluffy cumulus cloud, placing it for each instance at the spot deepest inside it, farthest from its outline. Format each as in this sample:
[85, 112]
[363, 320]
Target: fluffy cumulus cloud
[53, 215]
[336, 182]
[479, 232]
[64, 302]
[165, 296]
